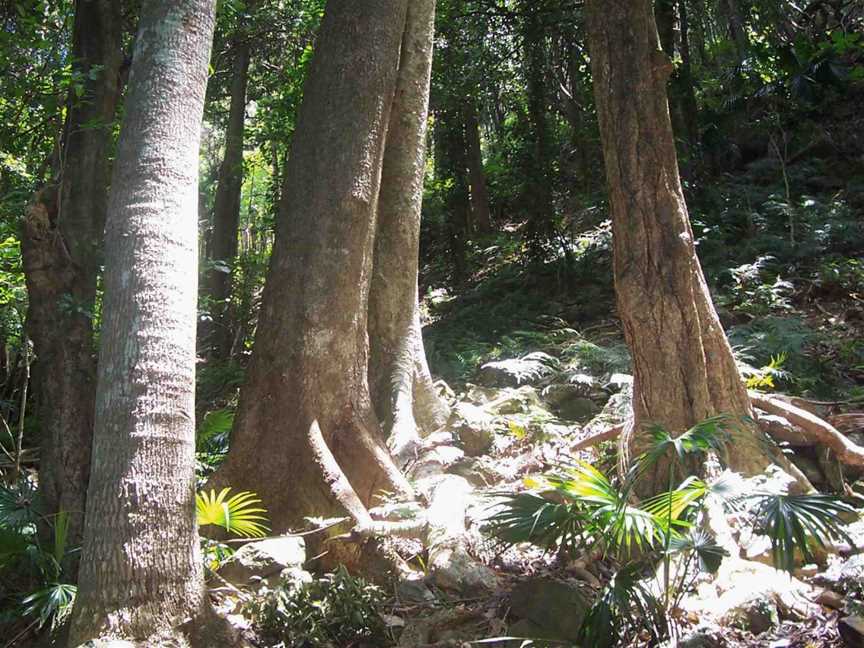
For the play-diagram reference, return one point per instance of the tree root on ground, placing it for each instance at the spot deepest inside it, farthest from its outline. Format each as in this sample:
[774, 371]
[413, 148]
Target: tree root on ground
[814, 429]
[789, 423]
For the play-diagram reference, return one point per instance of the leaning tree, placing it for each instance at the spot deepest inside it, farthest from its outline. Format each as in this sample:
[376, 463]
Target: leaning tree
[307, 410]
[684, 370]
[141, 571]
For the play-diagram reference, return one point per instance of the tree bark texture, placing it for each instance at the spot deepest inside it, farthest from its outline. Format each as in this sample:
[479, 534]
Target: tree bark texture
[402, 390]
[306, 410]
[62, 254]
[539, 174]
[218, 334]
[141, 572]
[476, 174]
[683, 366]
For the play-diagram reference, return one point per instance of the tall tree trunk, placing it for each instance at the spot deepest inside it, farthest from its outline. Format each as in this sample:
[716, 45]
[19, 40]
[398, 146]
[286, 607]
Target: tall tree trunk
[305, 409]
[218, 335]
[402, 390]
[141, 572]
[683, 367]
[476, 175]
[539, 175]
[62, 252]
[450, 163]
[685, 79]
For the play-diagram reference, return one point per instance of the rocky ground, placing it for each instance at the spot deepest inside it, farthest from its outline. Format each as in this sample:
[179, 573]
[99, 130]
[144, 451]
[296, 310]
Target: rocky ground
[523, 416]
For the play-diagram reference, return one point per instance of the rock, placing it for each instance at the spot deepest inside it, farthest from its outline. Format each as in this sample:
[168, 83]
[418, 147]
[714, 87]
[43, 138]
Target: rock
[842, 574]
[578, 409]
[435, 461]
[754, 614]
[473, 427]
[852, 631]
[551, 608]
[573, 402]
[830, 599]
[751, 595]
[523, 400]
[618, 382]
[264, 560]
[107, 643]
[702, 637]
[517, 371]
[414, 591]
[810, 468]
[455, 571]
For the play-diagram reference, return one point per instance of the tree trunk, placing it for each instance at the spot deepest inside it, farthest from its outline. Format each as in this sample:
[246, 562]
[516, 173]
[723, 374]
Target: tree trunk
[450, 163]
[683, 367]
[62, 250]
[539, 175]
[218, 334]
[141, 572]
[306, 410]
[476, 175]
[402, 390]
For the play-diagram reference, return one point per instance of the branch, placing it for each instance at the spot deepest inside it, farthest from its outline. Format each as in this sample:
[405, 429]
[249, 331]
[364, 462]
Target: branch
[607, 435]
[814, 428]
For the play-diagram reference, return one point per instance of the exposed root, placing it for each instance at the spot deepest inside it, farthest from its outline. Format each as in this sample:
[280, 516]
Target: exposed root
[817, 430]
[599, 437]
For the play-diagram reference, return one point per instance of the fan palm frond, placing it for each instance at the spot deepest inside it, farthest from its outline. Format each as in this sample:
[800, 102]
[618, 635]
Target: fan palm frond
[794, 521]
[238, 514]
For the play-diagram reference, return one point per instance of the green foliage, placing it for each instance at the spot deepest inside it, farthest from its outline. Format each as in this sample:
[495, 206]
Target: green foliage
[239, 514]
[40, 590]
[574, 508]
[796, 522]
[624, 606]
[336, 610]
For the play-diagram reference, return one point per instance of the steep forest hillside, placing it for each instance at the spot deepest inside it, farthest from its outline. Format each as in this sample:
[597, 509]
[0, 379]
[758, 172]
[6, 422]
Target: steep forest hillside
[431, 323]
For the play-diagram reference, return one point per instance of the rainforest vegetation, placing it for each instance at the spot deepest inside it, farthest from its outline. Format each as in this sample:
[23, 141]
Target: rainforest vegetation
[431, 323]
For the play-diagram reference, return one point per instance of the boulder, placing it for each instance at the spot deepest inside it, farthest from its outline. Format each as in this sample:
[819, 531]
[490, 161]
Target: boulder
[842, 574]
[852, 631]
[473, 427]
[549, 608]
[264, 560]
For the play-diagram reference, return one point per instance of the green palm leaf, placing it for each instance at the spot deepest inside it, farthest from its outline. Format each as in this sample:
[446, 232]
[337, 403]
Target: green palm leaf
[238, 514]
[703, 544]
[794, 521]
[530, 517]
[52, 603]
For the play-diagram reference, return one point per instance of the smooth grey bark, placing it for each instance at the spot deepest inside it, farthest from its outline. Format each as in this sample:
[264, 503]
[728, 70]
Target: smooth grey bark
[402, 390]
[305, 409]
[62, 254]
[217, 335]
[141, 573]
[684, 371]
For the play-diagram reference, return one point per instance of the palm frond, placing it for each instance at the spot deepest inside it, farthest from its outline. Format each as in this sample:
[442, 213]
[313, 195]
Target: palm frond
[238, 514]
[712, 434]
[669, 507]
[20, 504]
[621, 526]
[624, 604]
[794, 521]
[530, 517]
[703, 545]
[51, 604]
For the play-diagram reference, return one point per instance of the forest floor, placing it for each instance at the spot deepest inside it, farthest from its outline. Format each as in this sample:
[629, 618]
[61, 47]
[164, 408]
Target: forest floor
[534, 368]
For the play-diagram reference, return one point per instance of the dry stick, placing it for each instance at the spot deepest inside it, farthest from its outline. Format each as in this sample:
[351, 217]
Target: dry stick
[816, 429]
[594, 439]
